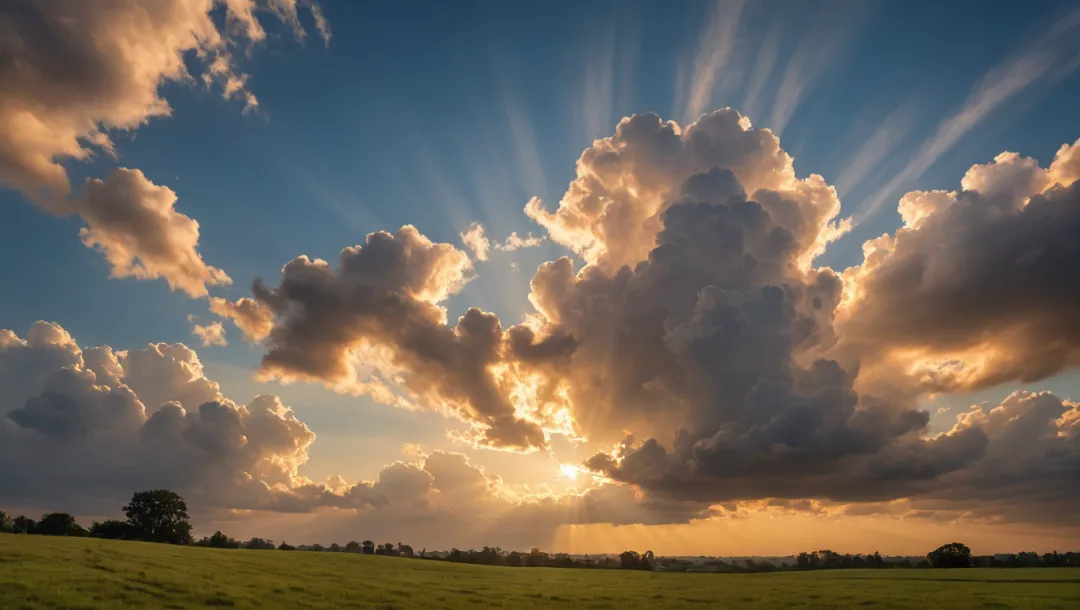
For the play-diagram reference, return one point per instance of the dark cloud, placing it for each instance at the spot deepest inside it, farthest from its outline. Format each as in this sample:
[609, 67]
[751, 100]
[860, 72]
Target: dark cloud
[84, 446]
[976, 289]
[378, 317]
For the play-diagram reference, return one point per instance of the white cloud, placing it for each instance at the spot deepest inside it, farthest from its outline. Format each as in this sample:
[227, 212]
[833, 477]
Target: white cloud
[211, 335]
[76, 73]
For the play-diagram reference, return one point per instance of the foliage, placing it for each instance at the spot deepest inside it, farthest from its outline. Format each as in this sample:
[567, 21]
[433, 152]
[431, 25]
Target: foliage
[70, 572]
[158, 515]
[112, 529]
[826, 559]
[219, 541]
[24, 525]
[631, 560]
[952, 555]
[259, 544]
[59, 524]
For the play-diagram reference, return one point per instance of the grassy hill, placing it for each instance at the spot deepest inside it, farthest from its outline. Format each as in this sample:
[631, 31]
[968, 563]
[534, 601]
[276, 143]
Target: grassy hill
[44, 572]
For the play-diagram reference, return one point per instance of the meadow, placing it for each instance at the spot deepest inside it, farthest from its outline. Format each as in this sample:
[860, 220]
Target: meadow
[63, 572]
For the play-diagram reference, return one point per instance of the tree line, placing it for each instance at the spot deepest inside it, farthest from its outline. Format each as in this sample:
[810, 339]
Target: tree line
[161, 515]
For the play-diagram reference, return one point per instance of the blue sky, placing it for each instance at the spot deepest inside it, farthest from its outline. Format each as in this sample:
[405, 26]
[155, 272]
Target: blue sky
[439, 114]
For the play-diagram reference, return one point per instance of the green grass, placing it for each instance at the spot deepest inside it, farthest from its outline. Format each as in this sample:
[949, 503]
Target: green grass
[42, 572]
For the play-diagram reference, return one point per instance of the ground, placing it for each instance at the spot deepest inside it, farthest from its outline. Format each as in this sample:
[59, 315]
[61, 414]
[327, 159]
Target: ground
[44, 572]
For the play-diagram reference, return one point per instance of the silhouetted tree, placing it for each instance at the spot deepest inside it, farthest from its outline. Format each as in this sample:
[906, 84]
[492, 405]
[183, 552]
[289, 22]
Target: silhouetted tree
[404, 550]
[368, 547]
[335, 547]
[286, 547]
[221, 541]
[7, 526]
[352, 547]
[158, 515]
[59, 524]
[631, 560]
[952, 555]
[112, 529]
[23, 525]
[259, 544]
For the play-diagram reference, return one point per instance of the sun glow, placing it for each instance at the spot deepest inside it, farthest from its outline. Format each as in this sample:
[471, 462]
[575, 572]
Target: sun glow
[570, 471]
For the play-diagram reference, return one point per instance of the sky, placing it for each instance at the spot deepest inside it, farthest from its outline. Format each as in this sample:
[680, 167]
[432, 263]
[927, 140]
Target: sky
[725, 278]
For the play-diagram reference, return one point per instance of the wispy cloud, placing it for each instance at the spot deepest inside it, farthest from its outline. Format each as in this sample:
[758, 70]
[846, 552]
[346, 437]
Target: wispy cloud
[714, 50]
[1015, 74]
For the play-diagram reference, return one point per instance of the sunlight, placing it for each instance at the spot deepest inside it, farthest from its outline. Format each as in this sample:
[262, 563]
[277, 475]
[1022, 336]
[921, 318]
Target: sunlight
[570, 471]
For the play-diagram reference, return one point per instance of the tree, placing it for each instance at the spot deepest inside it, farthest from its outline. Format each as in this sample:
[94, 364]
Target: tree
[629, 560]
[286, 546]
[221, 541]
[259, 544]
[405, 550]
[59, 524]
[158, 515]
[352, 547]
[952, 555]
[7, 526]
[112, 529]
[369, 547]
[335, 547]
[23, 525]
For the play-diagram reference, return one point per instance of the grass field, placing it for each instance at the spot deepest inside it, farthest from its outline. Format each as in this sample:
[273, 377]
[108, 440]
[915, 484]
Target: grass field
[43, 572]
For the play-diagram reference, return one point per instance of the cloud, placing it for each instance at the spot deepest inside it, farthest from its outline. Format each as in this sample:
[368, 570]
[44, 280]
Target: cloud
[74, 75]
[212, 334]
[974, 290]
[98, 424]
[611, 213]
[251, 317]
[516, 242]
[730, 356]
[89, 427]
[133, 222]
[376, 325]
[475, 240]
[1048, 60]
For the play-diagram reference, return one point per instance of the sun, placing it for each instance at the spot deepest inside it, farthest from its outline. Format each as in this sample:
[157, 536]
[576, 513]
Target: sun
[569, 471]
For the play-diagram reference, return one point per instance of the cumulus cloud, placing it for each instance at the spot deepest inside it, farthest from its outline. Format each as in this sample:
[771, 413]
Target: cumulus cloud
[975, 289]
[97, 424]
[751, 375]
[612, 212]
[700, 344]
[75, 74]
[251, 317]
[133, 222]
[212, 334]
[375, 325]
[89, 427]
